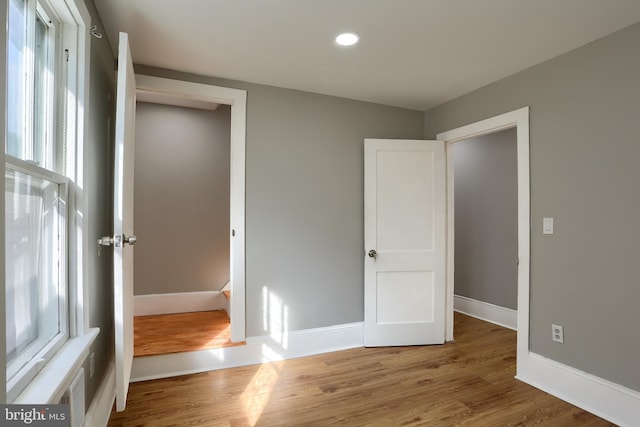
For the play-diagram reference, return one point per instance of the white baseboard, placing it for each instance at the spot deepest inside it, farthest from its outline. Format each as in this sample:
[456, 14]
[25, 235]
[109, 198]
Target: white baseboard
[257, 350]
[100, 409]
[181, 302]
[489, 312]
[226, 304]
[608, 400]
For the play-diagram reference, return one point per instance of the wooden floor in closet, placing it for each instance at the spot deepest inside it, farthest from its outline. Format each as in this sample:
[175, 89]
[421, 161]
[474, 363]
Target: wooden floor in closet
[468, 382]
[181, 332]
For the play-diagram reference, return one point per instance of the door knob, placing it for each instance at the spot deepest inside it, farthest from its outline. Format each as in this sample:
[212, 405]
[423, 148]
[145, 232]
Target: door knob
[105, 241]
[117, 240]
[372, 253]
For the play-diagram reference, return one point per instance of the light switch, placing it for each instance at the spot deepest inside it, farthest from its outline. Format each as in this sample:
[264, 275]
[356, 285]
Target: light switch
[547, 225]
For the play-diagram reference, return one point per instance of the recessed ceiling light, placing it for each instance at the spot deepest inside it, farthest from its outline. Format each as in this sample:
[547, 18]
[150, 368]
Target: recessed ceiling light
[347, 39]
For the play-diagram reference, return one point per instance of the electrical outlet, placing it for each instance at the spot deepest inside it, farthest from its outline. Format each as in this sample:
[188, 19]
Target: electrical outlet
[557, 333]
[92, 364]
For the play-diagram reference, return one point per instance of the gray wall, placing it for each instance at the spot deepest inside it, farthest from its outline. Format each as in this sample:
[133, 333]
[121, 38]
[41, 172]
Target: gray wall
[181, 208]
[304, 199]
[584, 172]
[98, 193]
[486, 218]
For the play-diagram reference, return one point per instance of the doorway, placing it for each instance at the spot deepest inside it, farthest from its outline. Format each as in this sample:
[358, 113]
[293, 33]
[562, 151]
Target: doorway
[518, 119]
[486, 227]
[225, 270]
[181, 216]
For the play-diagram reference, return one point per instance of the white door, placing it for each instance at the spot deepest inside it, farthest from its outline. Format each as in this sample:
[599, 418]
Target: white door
[123, 220]
[405, 246]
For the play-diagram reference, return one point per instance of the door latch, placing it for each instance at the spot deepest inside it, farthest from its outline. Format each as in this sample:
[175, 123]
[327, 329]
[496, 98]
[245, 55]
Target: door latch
[117, 241]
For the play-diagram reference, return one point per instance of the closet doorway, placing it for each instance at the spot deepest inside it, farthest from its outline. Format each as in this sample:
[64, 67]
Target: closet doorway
[518, 119]
[189, 217]
[485, 176]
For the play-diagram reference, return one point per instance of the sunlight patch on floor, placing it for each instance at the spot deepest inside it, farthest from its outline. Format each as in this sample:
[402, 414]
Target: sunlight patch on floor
[220, 339]
[255, 397]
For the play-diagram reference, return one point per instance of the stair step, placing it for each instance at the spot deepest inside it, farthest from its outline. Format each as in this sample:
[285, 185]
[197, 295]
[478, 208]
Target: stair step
[227, 294]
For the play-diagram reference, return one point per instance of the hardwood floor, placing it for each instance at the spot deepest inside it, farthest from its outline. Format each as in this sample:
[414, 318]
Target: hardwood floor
[180, 332]
[468, 382]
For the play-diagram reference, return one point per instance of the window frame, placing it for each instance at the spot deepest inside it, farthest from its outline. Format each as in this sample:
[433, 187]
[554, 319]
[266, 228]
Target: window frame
[25, 374]
[50, 157]
[73, 38]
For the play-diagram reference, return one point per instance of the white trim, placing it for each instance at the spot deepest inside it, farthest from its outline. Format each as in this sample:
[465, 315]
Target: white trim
[227, 301]
[257, 350]
[180, 302]
[3, 131]
[608, 400]
[58, 373]
[180, 89]
[448, 314]
[76, 21]
[492, 313]
[237, 99]
[100, 409]
[226, 305]
[520, 120]
[84, 239]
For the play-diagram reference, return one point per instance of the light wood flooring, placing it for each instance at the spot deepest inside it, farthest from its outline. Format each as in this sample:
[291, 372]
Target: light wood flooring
[468, 382]
[181, 332]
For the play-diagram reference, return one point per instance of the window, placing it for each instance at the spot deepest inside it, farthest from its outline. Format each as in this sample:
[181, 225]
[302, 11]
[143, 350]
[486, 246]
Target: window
[40, 180]
[36, 323]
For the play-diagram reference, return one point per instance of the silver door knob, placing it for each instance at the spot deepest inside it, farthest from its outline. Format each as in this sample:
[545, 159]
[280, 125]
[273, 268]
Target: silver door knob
[130, 240]
[105, 241]
[372, 253]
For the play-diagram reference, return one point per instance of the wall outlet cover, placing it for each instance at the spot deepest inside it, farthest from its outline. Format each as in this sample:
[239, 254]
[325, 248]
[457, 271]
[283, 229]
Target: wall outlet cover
[557, 333]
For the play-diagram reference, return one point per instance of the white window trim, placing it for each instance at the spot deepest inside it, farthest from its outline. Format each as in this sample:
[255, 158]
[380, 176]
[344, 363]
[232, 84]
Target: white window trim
[78, 41]
[3, 129]
[33, 367]
[52, 381]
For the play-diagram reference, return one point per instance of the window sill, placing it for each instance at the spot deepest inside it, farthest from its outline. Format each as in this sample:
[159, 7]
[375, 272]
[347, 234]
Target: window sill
[54, 379]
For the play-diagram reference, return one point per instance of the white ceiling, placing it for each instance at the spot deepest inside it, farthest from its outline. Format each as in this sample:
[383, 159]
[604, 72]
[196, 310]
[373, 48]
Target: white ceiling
[412, 53]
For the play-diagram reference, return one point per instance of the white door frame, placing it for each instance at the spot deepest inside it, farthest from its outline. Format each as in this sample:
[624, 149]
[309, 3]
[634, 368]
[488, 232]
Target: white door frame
[520, 120]
[178, 92]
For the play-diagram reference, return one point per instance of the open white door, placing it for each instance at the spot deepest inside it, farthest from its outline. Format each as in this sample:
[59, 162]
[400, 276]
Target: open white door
[405, 242]
[123, 220]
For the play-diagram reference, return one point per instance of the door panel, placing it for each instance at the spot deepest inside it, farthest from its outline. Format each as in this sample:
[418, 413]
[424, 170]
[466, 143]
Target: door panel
[405, 224]
[418, 284]
[400, 176]
[123, 221]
